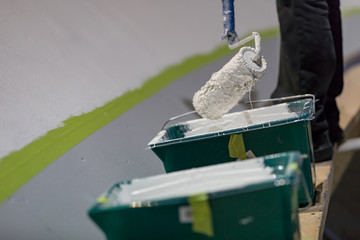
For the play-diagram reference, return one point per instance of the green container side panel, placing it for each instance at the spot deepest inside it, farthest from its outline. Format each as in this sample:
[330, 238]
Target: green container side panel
[138, 223]
[258, 211]
[269, 216]
[262, 142]
[289, 137]
[194, 154]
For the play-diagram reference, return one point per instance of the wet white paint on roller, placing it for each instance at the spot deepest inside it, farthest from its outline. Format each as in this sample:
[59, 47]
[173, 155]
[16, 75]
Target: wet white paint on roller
[243, 119]
[228, 86]
[235, 175]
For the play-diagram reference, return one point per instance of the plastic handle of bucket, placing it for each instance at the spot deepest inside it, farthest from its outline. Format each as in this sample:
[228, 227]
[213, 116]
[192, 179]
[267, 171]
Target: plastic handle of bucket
[282, 99]
[307, 193]
[177, 117]
[303, 182]
[313, 168]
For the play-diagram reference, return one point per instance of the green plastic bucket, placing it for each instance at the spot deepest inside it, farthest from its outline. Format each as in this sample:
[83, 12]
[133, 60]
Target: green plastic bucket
[262, 131]
[253, 199]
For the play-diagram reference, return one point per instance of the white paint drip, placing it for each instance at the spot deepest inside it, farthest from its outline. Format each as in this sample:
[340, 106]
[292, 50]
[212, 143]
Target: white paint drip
[247, 220]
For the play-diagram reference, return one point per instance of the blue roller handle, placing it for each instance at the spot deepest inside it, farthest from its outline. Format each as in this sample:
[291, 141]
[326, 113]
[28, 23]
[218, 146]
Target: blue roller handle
[229, 21]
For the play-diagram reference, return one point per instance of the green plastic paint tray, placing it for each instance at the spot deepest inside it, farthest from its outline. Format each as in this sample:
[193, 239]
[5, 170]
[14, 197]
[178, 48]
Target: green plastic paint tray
[257, 132]
[253, 199]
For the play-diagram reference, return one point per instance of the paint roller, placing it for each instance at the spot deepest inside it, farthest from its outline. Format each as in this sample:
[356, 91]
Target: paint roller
[228, 86]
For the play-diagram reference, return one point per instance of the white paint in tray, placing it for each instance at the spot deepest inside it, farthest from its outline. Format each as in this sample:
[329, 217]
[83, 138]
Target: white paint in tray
[243, 119]
[210, 179]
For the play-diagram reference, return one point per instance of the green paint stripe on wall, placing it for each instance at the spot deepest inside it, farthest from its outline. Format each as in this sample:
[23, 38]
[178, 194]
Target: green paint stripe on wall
[20, 166]
[350, 12]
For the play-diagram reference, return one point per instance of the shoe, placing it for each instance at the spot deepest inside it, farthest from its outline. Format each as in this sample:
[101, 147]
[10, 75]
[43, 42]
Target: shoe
[336, 134]
[323, 153]
[323, 148]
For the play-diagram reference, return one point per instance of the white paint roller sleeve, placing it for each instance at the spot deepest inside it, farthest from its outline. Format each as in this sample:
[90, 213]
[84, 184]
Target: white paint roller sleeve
[228, 86]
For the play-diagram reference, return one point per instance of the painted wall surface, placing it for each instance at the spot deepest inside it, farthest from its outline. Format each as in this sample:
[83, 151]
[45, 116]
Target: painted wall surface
[63, 58]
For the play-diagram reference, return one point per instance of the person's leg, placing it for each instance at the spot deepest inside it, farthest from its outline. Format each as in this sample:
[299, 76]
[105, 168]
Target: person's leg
[307, 61]
[336, 85]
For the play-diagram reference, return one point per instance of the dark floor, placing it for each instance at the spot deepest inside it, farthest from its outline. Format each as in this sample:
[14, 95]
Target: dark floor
[343, 219]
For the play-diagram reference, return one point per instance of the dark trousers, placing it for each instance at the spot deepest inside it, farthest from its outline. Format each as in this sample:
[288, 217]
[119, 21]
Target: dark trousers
[311, 61]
